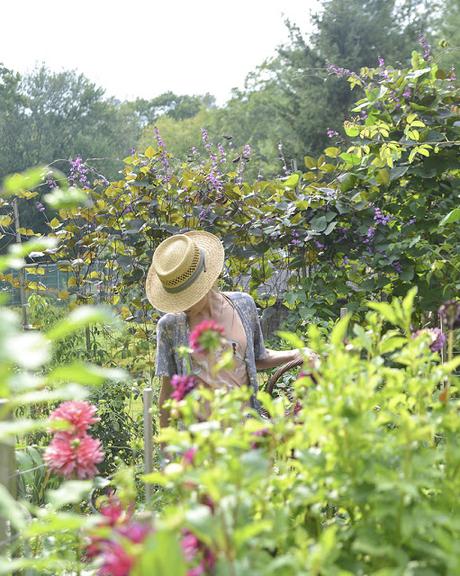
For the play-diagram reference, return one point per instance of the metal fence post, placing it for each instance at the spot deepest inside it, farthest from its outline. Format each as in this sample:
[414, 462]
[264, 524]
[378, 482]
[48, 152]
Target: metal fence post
[148, 439]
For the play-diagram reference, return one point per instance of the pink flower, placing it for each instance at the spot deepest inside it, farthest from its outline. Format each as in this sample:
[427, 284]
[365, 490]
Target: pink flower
[68, 456]
[206, 336]
[116, 561]
[189, 455]
[113, 511]
[80, 415]
[190, 545]
[182, 385]
[135, 531]
[193, 547]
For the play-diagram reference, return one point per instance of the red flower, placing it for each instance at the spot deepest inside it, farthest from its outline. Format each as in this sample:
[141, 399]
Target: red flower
[206, 336]
[182, 385]
[68, 456]
[80, 415]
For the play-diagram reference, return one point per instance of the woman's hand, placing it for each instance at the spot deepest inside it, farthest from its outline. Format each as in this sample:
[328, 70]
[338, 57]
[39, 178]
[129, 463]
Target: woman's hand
[275, 358]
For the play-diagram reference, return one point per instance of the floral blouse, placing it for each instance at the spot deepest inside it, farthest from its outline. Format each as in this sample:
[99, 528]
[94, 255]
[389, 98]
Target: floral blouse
[173, 332]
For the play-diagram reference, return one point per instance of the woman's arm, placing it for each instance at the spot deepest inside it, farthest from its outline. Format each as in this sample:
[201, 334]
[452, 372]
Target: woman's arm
[165, 394]
[274, 358]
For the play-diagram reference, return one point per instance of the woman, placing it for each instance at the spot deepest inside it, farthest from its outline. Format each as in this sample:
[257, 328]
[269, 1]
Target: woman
[181, 282]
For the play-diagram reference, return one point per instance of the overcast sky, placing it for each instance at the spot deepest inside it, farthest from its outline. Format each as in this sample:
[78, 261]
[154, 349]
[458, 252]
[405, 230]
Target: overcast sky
[146, 47]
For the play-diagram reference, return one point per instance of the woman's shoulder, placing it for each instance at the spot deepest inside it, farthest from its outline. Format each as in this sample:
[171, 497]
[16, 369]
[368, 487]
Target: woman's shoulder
[169, 320]
[242, 298]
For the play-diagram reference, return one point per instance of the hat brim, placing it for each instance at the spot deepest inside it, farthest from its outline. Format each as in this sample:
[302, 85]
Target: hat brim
[179, 302]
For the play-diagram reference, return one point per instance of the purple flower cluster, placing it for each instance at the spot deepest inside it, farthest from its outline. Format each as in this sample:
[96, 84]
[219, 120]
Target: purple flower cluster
[384, 73]
[51, 182]
[426, 47]
[78, 175]
[379, 217]
[369, 235]
[246, 152]
[397, 266]
[164, 154]
[338, 71]
[222, 153]
[407, 93]
[295, 239]
[438, 338]
[319, 245]
[39, 206]
[331, 133]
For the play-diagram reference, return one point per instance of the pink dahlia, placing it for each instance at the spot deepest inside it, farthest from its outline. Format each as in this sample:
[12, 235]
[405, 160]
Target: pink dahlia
[77, 456]
[80, 415]
[206, 336]
[182, 385]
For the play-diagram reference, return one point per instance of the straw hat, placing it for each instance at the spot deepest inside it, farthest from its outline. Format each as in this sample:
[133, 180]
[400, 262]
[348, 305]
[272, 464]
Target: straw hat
[183, 270]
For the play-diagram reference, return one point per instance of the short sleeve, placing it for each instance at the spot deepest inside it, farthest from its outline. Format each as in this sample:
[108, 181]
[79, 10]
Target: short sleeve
[259, 345]
[165, 364]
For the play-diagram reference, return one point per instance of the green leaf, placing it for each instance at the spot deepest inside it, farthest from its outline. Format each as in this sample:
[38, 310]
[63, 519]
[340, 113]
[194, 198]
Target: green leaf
[292, 181]
[161, 554]
[453, 216]
[340, 330]
[385, 310]
[80, 318]
[86, 374]
[71, 198]
[391, 344]
[332, 151]
[318, 223]
[10, 509]
[351, 158]
[27, 180]
[70, 492]
[291, 338]
[310, 162]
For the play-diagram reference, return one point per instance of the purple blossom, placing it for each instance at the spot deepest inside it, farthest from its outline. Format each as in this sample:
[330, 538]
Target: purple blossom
[397, 266]
[426, 47]
[205, 138]
[369, 235]
[132, 151]
[331, 133]
[338, 71]
[246, 152]
[346, 260]
[78, 175]
[379, 218]
[363, 114]
[39, 206]
[203, 215]
[407, 93]
[164, 153]
[222, 153]
[319, 245]
[449, 313]
[381, 62]
[51, 182]
[411, 221]
[438, 338]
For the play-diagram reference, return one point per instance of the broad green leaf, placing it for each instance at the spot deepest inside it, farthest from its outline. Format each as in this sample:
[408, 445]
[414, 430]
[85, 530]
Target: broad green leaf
[340, 330]
[86, 374]
[11, 510]
[453, 216]
[385, 310]
[161, 554]
[80, 318]
[291, 339]
[70, 492]
[70, 198]
[332, 151]
[27, 180]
